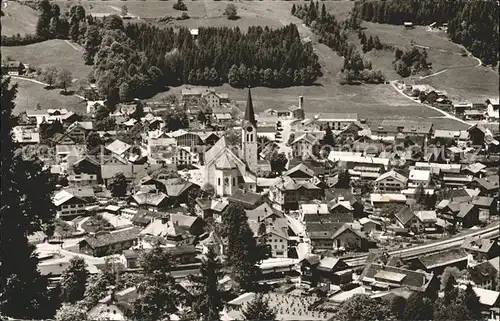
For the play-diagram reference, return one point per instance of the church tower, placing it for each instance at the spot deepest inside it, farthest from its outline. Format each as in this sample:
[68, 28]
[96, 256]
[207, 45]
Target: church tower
[249, 135]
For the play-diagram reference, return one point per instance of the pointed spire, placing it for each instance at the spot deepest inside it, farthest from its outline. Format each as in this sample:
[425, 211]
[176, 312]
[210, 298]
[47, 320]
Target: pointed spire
[249, 112]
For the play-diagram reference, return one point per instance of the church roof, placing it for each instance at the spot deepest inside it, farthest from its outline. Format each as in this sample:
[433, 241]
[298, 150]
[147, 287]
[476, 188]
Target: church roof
[216, 149]
[249, 111]
[225, 163]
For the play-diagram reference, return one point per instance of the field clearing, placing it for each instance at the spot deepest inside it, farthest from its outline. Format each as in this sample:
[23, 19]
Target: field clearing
[29, 93]
[372, 102]
[18, 19]
[399, 36]
[55, 53]
[466, 84]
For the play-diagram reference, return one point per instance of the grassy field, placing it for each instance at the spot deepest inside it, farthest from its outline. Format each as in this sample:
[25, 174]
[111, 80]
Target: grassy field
[369, 101]
[29, 93]
[18, 19]
[466, 84]
[57, 53]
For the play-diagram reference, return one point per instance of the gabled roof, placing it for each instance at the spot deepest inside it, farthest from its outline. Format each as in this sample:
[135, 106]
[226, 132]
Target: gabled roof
[465, 208]
[392, 173]
[245, 197]
[163, 229]
[489, 182]
[300, 168]
[263, 211]
[426, 216]
[478, 244]
[100, 240]
[221, 144]
[63, 196]
[308, 138]
[475, 168]
[345, 228]
[414, 280]
[154, 199]
[118, 147]
[225, 163]
[405, 215]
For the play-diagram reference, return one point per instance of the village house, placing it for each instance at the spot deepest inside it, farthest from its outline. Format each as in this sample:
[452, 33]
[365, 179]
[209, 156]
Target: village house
[13, 67]
[248, 200]
[316, 270]
[390, 181]
[25, 135]
[302, 146]
[419, 177]
[483, 275]
[492, 109]
[71, 202]
[103, 244]
[288, 192]
[206, 208]
[406, 219]
[481, 249]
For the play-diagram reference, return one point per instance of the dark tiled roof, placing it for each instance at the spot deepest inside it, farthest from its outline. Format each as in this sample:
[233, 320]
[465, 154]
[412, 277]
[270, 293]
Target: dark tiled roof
[404, 215]
[245, 197]
[443, 258]
[413, 280]
[322, 230]
[100, 240]
[482, 273]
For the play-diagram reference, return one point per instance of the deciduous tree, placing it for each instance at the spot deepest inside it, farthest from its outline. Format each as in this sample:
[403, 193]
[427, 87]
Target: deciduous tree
[73, 280]
[118, 185]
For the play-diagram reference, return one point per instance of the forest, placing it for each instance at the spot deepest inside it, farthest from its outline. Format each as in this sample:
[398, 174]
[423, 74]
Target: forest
[474, 24]
[139, 60]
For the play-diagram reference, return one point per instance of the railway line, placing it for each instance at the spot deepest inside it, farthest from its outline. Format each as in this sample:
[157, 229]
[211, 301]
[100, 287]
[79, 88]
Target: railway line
[489, 232]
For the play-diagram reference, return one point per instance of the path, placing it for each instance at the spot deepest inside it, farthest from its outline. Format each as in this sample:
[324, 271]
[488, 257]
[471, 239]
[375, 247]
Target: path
[447, 115]
[73, 45]
[41, 83]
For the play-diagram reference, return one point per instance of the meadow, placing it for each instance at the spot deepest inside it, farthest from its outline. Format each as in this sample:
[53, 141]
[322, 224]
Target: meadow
[18, 18]
[30, 93]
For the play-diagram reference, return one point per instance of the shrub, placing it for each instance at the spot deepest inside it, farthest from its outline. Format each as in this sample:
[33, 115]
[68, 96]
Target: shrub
[179, 5]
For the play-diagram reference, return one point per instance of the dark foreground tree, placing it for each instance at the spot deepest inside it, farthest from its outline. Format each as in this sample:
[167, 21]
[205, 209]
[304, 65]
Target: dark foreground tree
[209, 300]
[23, 210]
[242, 252]
[362, 307]
[157, 294]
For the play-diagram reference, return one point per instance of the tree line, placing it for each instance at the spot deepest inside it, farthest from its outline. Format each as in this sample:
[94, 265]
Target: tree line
[473, 24]
[52, 24]
[333, 33]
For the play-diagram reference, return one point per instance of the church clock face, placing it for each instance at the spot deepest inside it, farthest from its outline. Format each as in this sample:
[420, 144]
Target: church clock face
[249, 129]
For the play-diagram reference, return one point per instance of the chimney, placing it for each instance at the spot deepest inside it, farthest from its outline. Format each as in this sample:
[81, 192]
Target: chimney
[301, 101]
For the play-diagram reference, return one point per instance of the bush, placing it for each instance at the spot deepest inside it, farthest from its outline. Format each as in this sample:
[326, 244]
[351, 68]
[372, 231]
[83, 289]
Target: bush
[18, 40]
[179, 5]
[184, 16]
[230, 12]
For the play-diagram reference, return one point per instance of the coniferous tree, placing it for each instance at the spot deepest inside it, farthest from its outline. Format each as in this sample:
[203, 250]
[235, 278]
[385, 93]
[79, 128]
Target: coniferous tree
[242, 252]
[43, 23]
[23, 210]
[209, 301]
[157, 294]
[258, 309]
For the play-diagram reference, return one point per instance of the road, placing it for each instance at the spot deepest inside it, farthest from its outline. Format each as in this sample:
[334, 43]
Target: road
[453, 242]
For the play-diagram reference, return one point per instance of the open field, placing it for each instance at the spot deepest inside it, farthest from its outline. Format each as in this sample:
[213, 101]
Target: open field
[466, 84]
[372, 102]
[18, 19]
[29, 93]
[57, 53]
[461, 76]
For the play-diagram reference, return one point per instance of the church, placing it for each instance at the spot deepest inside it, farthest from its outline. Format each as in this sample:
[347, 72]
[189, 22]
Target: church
[232, 168]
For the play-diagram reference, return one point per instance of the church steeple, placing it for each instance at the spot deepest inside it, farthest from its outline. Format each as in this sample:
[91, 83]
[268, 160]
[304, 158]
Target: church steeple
[249, 112]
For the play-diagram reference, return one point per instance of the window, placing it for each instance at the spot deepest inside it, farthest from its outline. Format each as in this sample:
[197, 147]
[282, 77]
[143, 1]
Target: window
[218, 181]
[234, 181]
